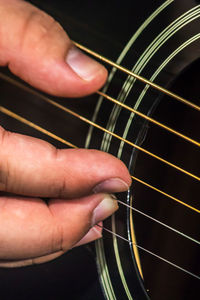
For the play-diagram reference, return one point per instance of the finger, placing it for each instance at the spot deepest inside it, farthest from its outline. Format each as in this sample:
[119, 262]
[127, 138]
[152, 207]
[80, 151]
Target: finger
[33, 167]
[37, 49]
[93, 234]
[32, 230]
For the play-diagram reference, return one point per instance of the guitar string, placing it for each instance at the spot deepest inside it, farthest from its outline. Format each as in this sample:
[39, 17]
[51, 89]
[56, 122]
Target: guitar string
[140, 78]
[35, 126]
[31, 124]
[39, 128]
[50, 101]
[148, 118]
[165, 194]
[150, 252]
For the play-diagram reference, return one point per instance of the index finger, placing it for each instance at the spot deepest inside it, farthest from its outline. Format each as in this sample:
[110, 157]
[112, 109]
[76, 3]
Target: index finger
[33, 167]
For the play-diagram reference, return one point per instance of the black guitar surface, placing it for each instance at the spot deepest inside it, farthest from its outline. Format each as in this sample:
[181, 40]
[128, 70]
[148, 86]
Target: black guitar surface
[159, 40]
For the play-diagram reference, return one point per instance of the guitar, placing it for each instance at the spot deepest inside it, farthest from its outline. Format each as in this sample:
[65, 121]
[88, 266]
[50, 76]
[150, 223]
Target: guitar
[151, 250]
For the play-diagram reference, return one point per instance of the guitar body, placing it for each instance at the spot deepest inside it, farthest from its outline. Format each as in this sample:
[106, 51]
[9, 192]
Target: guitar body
[159, 40]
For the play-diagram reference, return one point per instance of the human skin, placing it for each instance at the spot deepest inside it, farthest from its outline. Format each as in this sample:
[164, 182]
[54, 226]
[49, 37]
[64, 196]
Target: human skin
[36, 48]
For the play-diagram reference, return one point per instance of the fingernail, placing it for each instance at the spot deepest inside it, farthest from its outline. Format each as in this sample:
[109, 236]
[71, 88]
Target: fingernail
[105, 209]
[84, 66]
[112, 185]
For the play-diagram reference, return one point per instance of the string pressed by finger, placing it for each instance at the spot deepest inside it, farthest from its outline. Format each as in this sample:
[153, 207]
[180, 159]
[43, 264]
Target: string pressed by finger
[142, 79]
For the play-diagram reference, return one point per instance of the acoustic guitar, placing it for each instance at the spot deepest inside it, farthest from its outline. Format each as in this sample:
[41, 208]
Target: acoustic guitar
[151, 247]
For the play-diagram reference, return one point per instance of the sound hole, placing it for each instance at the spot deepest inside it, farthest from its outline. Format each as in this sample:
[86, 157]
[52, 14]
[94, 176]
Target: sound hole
[162, 280]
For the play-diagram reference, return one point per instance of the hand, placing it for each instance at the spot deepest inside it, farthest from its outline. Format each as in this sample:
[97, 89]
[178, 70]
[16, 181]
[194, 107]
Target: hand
[32, 230]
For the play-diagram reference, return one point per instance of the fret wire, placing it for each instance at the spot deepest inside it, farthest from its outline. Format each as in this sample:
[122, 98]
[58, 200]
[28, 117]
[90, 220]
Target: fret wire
[148, 118]
[142, 79]
[39, 128]
[48, 100]
[149, 252]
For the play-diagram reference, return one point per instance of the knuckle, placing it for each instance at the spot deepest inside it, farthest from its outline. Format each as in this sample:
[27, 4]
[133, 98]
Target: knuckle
[41, 22]
[38, 28]
[61, 190]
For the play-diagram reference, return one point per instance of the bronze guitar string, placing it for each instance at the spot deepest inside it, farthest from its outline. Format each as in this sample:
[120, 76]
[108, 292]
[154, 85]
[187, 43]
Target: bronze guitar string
[165, 194]
[48, 100]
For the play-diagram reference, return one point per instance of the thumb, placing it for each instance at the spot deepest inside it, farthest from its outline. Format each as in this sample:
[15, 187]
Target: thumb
[37, 49]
